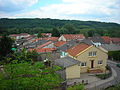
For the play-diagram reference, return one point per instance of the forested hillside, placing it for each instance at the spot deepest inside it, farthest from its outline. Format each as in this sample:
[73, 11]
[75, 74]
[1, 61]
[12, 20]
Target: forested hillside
[32, 26]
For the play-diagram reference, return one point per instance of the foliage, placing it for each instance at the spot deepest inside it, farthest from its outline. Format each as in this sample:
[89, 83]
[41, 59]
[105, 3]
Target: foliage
[55, 32]
[5, 46]
[103, 76]
[114, 55]
[76, 87]
[33, 26]
[23, 56]
[33, 77]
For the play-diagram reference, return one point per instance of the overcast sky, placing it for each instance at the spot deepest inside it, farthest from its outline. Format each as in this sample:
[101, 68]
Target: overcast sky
[95, 10]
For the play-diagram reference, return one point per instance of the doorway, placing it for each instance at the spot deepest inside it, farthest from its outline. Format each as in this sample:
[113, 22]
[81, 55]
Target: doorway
[92, 64]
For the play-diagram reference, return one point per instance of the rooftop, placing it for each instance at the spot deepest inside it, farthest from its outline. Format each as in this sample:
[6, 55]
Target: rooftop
[59, 43]
[66, 62]
[74, 36]
[77, 49]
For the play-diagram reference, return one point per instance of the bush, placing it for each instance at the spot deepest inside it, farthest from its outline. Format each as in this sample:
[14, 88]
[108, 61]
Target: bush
[76, 87]
[114, 55]
[24, 76]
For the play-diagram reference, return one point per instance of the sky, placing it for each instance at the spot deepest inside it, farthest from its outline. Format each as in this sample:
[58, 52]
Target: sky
[86, 10]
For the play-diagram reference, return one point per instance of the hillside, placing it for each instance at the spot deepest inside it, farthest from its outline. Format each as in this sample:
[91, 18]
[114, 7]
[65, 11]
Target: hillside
[36, 25]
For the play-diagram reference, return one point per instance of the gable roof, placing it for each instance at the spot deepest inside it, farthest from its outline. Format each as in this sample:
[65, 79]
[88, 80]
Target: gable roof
[67, 45]
[111, 47]
[51, 38]
[59, 43]
[77, 49]
[115, 40]
[38, 50]
[97, 39]
[74, 36]
[106, 39]
[43, 45]
[66, 62]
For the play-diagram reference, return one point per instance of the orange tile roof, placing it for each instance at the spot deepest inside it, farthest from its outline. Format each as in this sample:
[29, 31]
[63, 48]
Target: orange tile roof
[74, 36]
[43, 49]
[51, 38]
[77, 49]
[106, 39]
[47, 43]
[46, 34]
[59, 43]
[36, 39]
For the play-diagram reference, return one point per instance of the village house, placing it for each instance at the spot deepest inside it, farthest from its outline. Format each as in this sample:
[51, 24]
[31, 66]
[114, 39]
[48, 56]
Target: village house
[69, 37]
[46, 34]
[83, 58]
[19, 36]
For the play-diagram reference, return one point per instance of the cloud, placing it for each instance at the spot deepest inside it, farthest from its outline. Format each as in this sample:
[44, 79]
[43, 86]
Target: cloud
[15, 5]
[98, 10]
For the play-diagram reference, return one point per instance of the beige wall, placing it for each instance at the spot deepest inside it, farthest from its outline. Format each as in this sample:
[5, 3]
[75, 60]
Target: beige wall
[73, 72]
[62, 38]
[100, 55]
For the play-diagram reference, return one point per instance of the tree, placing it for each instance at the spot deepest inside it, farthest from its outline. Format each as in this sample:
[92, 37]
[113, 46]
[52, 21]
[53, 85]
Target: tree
[39, 35]
[69, 29]
[5, 46]
[55, 32]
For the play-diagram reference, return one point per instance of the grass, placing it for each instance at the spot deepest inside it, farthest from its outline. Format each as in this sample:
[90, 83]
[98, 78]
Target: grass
[76, 87]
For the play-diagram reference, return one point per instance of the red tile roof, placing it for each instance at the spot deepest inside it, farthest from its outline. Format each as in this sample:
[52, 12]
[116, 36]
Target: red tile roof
[77, 49]
[36, 39]
[43, 45]
[46, 34]
[21, 34]
[51, 38]
[59, 43]
[43, 49]
[115, 40]
[74, 36]
[106, 39]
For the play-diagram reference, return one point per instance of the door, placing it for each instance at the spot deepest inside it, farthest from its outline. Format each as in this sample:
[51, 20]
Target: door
[92, 64]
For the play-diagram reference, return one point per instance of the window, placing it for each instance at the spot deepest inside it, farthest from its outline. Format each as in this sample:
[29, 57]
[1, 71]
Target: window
[100, 61]
[83, 64]
[92, 53]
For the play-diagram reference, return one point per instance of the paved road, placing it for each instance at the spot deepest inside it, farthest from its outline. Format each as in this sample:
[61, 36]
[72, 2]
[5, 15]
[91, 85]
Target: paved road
[112, 82]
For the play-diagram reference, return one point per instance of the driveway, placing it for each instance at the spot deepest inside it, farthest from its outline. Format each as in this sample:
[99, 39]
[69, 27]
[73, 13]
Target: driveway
[113, 81]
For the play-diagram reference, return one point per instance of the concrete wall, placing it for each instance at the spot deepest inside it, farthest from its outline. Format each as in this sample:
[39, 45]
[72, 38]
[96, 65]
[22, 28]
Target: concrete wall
[100, 55]
[73, 72]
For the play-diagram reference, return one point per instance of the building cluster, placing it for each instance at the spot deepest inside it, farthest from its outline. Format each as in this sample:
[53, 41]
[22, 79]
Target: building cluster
[75, 53]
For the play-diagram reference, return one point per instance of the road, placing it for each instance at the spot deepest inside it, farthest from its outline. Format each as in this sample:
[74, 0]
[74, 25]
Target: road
[112, 82]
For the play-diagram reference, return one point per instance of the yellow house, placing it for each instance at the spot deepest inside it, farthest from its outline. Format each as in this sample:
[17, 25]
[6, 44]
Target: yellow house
[83, 58]
[93, 59]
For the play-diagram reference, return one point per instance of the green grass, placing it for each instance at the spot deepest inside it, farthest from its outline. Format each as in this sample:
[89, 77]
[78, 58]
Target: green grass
[33, 77]
[76, 87]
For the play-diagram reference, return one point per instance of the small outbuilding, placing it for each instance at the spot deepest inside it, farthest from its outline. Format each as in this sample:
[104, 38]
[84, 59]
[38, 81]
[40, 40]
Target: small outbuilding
[71, 67]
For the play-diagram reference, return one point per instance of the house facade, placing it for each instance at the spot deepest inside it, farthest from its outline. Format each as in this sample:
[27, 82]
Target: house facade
[92, 58]
[69, 37]
[83, 58]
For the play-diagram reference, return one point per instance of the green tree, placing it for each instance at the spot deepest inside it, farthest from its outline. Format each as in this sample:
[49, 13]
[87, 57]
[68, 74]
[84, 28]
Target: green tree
[55, 32]
[5, 46]
[69, 29]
